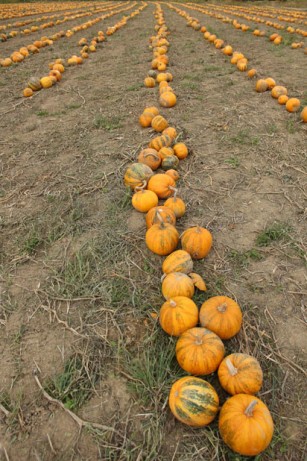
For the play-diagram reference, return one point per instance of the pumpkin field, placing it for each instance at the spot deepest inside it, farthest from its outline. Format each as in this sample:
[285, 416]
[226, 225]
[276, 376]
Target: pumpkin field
[153, 231]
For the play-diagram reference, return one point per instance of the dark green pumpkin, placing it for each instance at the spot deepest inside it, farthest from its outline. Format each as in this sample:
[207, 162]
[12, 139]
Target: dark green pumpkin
[170, 162]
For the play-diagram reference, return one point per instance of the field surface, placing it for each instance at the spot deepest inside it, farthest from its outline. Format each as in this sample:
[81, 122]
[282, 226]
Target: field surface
[86, 369]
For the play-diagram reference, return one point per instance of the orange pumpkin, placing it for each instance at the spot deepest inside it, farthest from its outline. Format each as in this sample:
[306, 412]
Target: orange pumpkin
[150, 157]
[171, 132]
[144, 200]
[46, 82]
[177, 205]
[160, 141]
[159, 123]
[136, 174]
[166, 214]
[27, 92]
[251, 73]
[180, 150]
[162, 184]
[227, 50]
[149, 82]
[271, 83]
[173, 174]
[145, 120]
[162, 238]
[193, 401]
[178, 261]
[304, 114]
[199, 351]
[283, 98]
[246, 425]
[278, 91]
[168, 99]
[35, 84]
[177, 284]
[178, 315]
[293, 105]
[222, 315]
[166, 152]
[261, 86]
[151, 110]
[240, 374]
[197, 241]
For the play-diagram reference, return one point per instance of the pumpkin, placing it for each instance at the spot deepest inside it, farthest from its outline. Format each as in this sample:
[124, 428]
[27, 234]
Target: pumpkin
[169, 77]
[7, 62]
[246, 424]
[166, 214]
[193, 401]
[150, 157]
[178, 315]
[166, 152]
[151, 110]
[293, 105]
[171, 162]
[304, 114]
[278, 91]
[198, 281]
[199, 351]
[173, 174]
[144, 200]
[160, 141]
[46, 82]
[162, 185]
[59, 67]
[34, 83]
[181, 150]
[27, 92]
[162, 238]
[152, 73]
[136, 174]
[261, 86]
[171, 132]
[57, 74]
[271, 83]
[222, 315]
[283, 99]
[177, 284]
[17, 57]
[161, 77]
[242, 65]
[178, 261]
[149, 82]
[197, 241]
[176, 204]
[251, 73]
[168, 99]
[159, 123]
[145, 119]
[240, 374]
[227, 50]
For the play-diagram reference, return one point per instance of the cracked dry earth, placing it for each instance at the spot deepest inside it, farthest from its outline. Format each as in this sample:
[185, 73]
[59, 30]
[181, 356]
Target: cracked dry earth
[79, 287]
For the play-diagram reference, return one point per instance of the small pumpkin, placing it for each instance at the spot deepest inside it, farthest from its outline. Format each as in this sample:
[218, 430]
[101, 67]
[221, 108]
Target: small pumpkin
[160, 141]
[46, 82]
[178, 261]
[136, 174]
[177, 284]
[242, 65]
[173, 174]
[149, 82]
[162, 238]
[227, 50]
[240, 374]
[144, 200]
[168, 99]
[199, 351]
[166, 152]
[197, 241]
[145, 119]
[180, 150]
[293, 105]
[304, 114]
[251, 73]
[278, 91]
[261, 86]
[283, 98]
[171, 162]
[171, 132]
[178, 315]
[35, 84]
[176, 204]
[246, 425]
[150, 157]
[159, 123]
[151, 110]
[162, 184]
[166, 214]
[193, 401]
[27, 92]
[271, 83]
[222, 315]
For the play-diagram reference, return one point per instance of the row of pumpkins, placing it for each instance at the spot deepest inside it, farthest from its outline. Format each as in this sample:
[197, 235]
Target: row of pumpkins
[237, 58]
[35, 47]
[245, 27]
[245, 422]
[21, 10]
[57, 67]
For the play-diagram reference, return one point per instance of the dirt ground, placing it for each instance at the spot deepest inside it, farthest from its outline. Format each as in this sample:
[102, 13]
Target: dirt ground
[78, 285]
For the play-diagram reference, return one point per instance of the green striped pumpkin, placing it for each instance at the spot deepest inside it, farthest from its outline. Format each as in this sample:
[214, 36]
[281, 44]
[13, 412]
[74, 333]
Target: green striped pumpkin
[193, 401]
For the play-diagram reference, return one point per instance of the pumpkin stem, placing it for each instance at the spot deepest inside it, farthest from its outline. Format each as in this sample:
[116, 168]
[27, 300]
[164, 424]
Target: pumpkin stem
[142, 187]
[174, 190]
[163, 277]
[222, 307]
[250, 408]
[162, 223]
[148, 154]
[231, 368]
[172, 303]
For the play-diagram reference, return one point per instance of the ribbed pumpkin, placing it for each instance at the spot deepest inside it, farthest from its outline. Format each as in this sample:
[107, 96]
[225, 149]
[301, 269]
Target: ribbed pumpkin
[159, 123]
[144, 200]
[46, 82]
[282, 100]
[160, 141]
[199, 351]
[279, 91]
[197, 241]
[251, 73]
[166, 214]
[293, 105]
[246, 424]
[166, 152]
[173, 174]
[240, 374]
[193, 401]
[261, 86]
[162, 238]
[176, 204]
[170, 131]
[150, 157]
[149, 82]
[178, 315]
[151, 110]
[178, 261]
[171, 162]
[162, 184]
[145, 119]
[168, 99]
[35, 84]
[136, 174]
[271, 82]
[27, 92]
[222, 315]
[177, 284]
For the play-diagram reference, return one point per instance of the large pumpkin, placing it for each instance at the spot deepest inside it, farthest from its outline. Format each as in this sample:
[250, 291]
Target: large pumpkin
[150, 157]
[193, 401]
[178, 315]
[199, 351]
[144, 200]
[162, 184]
[197, 241]
[246, 424]
[240, 374]
[165, 213]
[178, 261]
[222, 315]
[177, 284]
[136, 174]
[162, 238]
